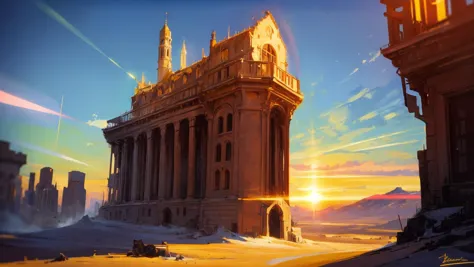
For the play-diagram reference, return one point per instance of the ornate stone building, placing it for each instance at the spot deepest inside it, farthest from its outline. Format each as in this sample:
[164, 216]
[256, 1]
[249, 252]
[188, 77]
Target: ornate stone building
[208, 145]
[432, 45]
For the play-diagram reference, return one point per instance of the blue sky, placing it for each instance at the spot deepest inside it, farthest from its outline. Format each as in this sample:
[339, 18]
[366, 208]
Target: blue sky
[351, 93]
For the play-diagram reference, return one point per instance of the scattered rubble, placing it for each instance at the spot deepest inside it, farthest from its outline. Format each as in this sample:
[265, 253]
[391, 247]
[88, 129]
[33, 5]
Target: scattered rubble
[61, 257]
[431, 223]
[85, 220]
[139, 249]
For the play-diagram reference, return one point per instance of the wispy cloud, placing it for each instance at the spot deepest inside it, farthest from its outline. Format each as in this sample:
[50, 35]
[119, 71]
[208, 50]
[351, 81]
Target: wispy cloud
[364, 141]
[328, 131]
[296, 137]
[390, 116]
[365, 92]
[368, 116]
[95, 122]
[338, 117]
[89, 144]
[352, 169]
[386, 145]
[359, 95]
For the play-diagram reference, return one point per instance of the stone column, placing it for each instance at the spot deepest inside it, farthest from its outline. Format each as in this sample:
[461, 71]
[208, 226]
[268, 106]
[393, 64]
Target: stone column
[109, 197]
[210, 155]
[135, 169]
[116, 169]
[111, 155]
[286, 175]
[149, 164]
[123, 171]
[177, 163]
[161, 175]
[191, 158]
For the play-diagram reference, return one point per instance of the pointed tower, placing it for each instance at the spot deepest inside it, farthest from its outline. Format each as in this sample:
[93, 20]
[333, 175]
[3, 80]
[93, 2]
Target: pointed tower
[183, 56]
[213, 41]
[164, 52]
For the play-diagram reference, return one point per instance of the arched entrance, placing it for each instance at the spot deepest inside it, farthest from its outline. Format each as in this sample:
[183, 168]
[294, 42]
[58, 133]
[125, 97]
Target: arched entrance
[167, 216]
[275, 222]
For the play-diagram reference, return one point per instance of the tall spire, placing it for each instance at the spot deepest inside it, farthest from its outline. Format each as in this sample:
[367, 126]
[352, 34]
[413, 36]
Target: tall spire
[164, 51]
[183, 55]
[203, 54]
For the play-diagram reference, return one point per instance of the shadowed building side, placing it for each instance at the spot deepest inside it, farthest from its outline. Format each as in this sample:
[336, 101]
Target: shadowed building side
[432, 46]
[74, 196]
[10, 183]
[208, 145]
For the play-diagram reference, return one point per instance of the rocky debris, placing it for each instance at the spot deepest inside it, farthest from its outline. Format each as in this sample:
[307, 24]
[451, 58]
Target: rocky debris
[85, 220]
[139, 249]
[61, 257]
[431, 223]
[179, 257]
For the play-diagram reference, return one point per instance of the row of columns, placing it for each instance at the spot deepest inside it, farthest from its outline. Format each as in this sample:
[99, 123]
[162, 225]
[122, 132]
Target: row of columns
[127, 181]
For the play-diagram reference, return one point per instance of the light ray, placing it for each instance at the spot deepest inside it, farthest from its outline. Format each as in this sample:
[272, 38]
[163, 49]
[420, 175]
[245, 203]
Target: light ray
[61, 20]
[59, 122]
[48, 152]
[9, 99]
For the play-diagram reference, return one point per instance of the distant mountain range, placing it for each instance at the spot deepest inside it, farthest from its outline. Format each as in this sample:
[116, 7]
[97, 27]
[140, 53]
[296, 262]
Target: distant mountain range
[376, 208]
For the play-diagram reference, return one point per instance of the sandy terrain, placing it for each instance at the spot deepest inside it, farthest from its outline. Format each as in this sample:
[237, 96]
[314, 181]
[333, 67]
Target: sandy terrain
[221, 249]
[211, 255]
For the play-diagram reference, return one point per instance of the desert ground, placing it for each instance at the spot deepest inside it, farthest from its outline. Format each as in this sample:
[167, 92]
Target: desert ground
[111, 240]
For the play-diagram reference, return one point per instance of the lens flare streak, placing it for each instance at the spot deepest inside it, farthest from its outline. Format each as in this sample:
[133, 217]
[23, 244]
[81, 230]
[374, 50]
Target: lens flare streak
[9, 99]
[48, 152]
[61, 20]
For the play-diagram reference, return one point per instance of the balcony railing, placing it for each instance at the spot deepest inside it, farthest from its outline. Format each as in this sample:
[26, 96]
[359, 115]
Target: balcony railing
[214, 78]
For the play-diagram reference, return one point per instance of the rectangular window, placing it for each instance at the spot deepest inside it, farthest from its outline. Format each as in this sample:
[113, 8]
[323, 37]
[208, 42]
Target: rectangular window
[224, 55]
[461, 124]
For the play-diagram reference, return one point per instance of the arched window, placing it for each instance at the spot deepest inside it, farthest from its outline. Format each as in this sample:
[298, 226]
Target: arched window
[229, 122]
[220, 125]
[162, 53]
[227, 180]
[167, 52]
[228, 151]
[268, 54]
[218, 152]
[217, 180]
[185, 79]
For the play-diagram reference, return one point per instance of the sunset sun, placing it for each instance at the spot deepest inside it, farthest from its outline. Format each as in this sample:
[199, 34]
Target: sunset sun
[314, 197]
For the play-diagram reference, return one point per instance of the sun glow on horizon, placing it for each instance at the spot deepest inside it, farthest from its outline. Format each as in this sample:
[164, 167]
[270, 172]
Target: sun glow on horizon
[314, 197]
